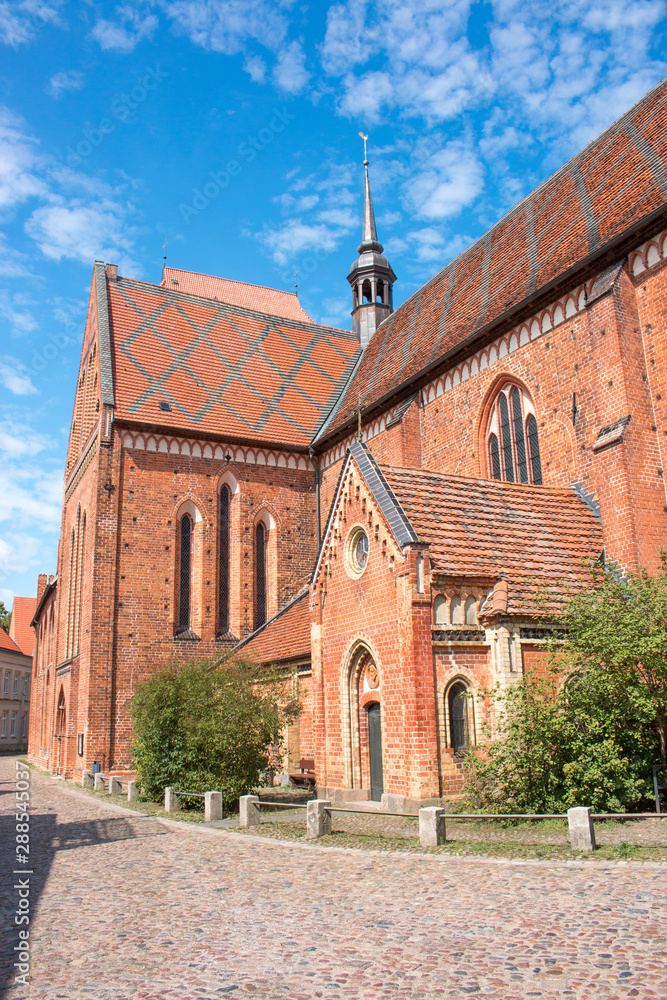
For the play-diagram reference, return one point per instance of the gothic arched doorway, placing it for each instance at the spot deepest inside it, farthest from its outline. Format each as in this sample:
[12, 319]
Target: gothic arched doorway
[61, 729]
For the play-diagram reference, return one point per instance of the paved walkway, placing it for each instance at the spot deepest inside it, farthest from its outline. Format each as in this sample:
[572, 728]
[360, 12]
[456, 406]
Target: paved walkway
[125, 907]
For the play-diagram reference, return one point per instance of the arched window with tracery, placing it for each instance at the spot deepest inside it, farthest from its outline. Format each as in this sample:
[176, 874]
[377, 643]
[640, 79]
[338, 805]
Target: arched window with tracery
[261, 596]
[224, 560]
[512, 441]
[185, 573]
[457, 710]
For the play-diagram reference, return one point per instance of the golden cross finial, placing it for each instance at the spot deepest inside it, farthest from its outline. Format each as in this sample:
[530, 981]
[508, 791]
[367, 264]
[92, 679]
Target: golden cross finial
[365, 138]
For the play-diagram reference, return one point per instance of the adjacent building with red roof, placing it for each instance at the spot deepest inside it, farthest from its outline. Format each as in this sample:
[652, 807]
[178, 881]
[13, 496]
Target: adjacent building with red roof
[442, 474]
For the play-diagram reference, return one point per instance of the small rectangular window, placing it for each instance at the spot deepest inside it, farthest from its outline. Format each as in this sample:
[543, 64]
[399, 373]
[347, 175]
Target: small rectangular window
[24, 725]
[12, 731]
[16, 685]
[5, 689]
[3, 731]
[26, 682]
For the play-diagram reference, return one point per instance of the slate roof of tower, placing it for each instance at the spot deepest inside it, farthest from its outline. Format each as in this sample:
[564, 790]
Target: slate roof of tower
[286, 636]
[236, 293]
[22, 611]
[616, 184]
[534, 537]
[224, 370]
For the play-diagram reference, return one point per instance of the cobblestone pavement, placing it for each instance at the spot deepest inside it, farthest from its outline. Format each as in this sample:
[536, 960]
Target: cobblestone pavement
[126, 907]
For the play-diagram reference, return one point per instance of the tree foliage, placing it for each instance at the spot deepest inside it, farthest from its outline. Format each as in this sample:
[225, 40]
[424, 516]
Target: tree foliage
[5, 618]
[203, 726]
[588, 730]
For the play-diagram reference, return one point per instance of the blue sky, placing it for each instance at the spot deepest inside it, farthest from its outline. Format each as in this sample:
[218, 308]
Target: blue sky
[113, 117]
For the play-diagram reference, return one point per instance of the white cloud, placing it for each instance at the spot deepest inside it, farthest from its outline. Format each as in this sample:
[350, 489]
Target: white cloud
[290, 74]
[13, 263]
[19, 22]
[124, 34]
[85, 232]
[430, 246]
[15, 310]
[227, 25]
[64, 81]
[20, 162]
[450, 180]
[288, 241]
[365, 97]
[13, 377]
[255, 67]
[19, 440]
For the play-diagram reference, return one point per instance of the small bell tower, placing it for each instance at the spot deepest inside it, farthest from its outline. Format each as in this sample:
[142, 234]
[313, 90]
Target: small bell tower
[371, 276]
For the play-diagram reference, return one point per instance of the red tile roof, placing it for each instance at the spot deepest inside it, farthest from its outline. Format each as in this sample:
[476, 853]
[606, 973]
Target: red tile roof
[531, 536]
[19, 629]
[236, 293]
[285, 637]
[7, 643]
[616, 183]
[224, 370]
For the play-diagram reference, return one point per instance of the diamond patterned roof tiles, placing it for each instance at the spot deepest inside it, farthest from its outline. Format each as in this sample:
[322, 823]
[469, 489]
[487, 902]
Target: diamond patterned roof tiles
[223, 369]
[617, 182]
[534, 537]
[236, 293]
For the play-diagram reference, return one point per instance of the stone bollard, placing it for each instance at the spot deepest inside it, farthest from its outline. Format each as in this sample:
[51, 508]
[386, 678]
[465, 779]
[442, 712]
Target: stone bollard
[249, 810]
[432, 827]
[318, 818]
[132, 791]
[99, 782]
[87, 779]
[582, 831]
[212, 806]
[115, 787]
[171, 803]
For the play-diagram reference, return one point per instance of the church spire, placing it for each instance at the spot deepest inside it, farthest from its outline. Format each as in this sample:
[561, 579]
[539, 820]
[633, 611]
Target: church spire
[371, 276]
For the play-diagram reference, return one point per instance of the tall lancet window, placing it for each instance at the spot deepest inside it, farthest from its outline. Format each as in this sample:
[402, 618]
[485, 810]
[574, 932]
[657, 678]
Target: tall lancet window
[224, 560]
[513, 447]
[185, 574]
[260, 574]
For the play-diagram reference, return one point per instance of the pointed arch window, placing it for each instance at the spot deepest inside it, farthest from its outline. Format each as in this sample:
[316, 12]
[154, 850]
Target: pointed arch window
[457, 710]
[260, 574]
[224, 560]
[185, 574]
[512, 442]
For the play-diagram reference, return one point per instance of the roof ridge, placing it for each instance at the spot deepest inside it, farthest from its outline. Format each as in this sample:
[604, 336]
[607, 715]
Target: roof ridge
[231, 281]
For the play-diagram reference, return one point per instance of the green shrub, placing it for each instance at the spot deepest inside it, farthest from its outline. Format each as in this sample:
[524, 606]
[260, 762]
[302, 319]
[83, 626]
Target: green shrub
[203, 726]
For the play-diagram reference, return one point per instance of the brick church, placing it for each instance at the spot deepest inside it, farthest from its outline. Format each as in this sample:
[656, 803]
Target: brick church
[373, 509]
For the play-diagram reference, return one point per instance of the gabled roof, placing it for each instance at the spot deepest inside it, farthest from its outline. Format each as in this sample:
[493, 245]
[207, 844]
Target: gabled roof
[236, 293]
[534, 537]
[7, 643]
[224, 370]
[286, 636]
[19, 628]
[614, 188]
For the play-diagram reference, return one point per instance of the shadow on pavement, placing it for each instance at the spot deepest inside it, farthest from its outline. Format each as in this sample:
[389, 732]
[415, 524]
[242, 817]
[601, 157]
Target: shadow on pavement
[47, 837]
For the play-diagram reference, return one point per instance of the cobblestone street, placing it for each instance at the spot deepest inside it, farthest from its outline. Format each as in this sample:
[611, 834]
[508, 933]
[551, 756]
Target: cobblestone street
[126, 907]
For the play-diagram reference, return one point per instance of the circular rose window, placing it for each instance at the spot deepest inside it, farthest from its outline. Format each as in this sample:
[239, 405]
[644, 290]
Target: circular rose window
[356, 552]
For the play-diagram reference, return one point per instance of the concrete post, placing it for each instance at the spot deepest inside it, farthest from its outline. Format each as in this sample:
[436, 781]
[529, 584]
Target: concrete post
[87, 779]
[132, 791]
[115, 787]
[432, 827]
[318, 818]
[171, 803]
[249, 810]
[582, 831]
[212, 806]
[99, 783]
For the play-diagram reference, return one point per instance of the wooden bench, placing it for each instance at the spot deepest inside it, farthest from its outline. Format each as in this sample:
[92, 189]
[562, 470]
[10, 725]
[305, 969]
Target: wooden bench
[305, 777]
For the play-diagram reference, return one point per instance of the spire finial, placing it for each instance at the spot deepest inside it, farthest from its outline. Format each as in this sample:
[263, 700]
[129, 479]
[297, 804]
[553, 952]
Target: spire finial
[164, 259]
[365, 138]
